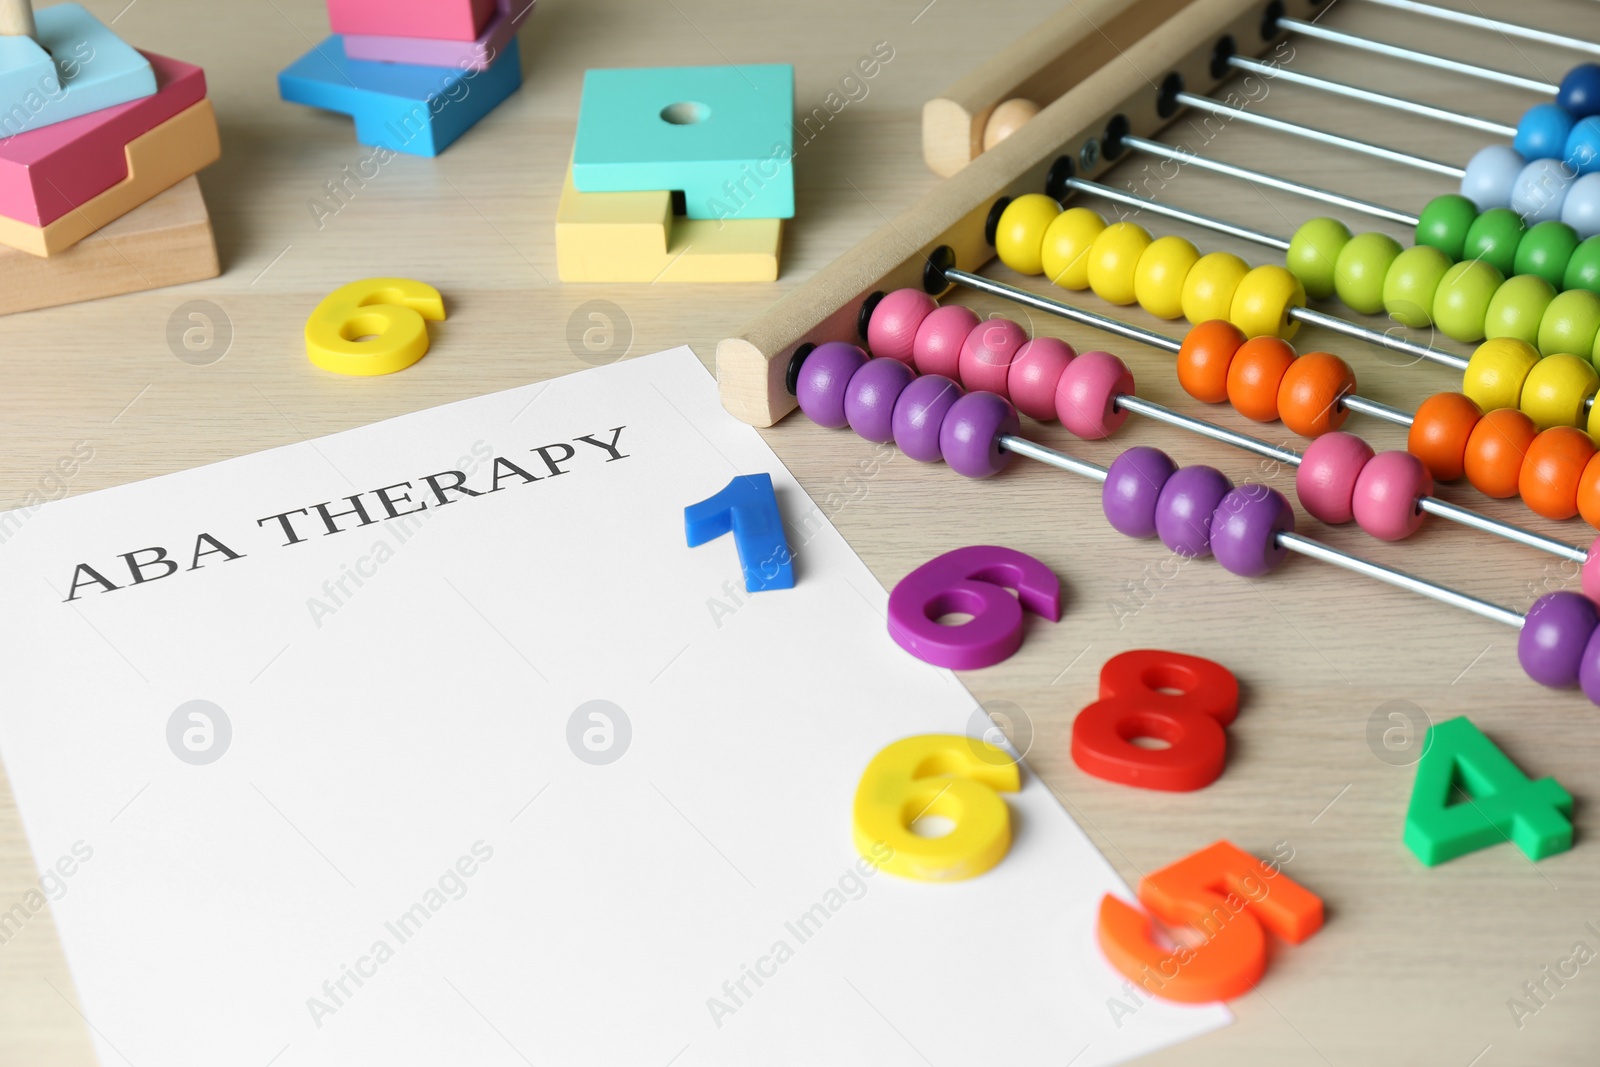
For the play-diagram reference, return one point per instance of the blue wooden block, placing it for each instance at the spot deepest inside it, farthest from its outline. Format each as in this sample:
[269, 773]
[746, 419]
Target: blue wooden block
[399, 106]
[76, 65]
[721, 135]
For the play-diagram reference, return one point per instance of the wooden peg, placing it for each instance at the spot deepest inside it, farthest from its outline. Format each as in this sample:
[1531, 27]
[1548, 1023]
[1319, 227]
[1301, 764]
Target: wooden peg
[16, 18]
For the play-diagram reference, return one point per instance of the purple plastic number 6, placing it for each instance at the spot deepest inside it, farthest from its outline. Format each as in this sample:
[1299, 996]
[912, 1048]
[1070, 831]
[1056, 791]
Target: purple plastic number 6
[971, 581]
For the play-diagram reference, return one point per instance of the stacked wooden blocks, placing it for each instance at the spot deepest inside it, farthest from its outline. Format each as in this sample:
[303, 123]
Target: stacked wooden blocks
[679, 174]
[99, 144]
[413, 74]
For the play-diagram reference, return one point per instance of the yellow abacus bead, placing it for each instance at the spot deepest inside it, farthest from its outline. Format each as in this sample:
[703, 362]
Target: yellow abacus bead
[1067, 241]
[1261, 303]
[1019, 237]
[1554, 392]
[1495, 373]
[1113, 260]
[1594, 423]
[1209, 288]
[1158, 280]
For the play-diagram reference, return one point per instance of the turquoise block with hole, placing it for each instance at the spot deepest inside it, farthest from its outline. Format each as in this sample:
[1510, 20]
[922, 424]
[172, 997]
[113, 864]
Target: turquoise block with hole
[75, 66]
[724, 136]
[400, 106]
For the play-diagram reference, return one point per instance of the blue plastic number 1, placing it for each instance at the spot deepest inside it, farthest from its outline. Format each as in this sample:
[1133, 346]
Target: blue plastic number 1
[747, 506]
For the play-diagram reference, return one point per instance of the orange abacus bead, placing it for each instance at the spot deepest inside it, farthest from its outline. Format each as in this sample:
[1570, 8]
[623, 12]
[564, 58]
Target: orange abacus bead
[1439, 434]
[1495, 450]
[1309, 395]
[1552, 470]
[1589, 492]
[1204, 359]
[1256, 373]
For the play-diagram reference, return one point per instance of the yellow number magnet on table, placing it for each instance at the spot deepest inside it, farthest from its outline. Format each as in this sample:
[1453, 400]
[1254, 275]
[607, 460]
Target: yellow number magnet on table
[373, 326]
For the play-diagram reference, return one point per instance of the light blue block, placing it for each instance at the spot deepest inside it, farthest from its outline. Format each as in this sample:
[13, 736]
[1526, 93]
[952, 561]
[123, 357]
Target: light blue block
[399, 106]
[722, 135]
[77, 65]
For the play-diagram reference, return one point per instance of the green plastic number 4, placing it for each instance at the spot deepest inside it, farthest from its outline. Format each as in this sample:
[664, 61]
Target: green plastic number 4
[1501, 802]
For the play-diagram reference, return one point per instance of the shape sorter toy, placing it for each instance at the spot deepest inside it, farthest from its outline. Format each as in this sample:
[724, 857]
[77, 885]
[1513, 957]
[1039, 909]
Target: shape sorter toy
[715, 141]
[722, 136]
[414, 74]
[88, 139]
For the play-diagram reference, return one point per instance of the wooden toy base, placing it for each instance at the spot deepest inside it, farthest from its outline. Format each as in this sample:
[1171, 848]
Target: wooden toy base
[167, 241]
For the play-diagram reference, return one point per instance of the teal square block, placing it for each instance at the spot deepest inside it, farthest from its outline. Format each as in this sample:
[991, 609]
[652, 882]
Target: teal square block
[723, 136]
[400, 106]
[75, 67]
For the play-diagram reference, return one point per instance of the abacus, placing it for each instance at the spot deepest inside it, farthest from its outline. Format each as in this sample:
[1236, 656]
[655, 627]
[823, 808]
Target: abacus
[1493, 264]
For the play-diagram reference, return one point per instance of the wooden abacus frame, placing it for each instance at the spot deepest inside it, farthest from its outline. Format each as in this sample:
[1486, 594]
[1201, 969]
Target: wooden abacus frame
[1118, 98]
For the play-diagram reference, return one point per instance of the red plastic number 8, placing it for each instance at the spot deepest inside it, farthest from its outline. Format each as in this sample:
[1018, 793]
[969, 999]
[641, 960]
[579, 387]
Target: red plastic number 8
[1133, 704]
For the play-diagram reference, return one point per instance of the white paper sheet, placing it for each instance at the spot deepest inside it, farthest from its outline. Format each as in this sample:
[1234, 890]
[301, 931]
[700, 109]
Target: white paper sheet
[400, 696]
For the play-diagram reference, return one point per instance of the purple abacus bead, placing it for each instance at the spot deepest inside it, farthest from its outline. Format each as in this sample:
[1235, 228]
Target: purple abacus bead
[970, 436]
[824, 377]
[1589, 668]
[1245, 529]
[892, 328]
[870, 398]
[1185, 507]
[1553, 639]
[1132, 488]
[920, 412]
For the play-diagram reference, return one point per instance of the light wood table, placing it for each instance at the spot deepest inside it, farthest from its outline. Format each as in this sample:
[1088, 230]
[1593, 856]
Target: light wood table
[1414, 965]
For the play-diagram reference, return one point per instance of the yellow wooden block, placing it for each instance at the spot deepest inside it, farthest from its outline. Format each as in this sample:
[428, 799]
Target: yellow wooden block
[157, 161]
[635, 237]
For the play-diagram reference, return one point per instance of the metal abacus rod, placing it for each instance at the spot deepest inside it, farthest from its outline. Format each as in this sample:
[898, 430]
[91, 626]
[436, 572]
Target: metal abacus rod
[1426, 59]
[1297, 543]
[1327, 85]
[1482, 22]
[1217, 107]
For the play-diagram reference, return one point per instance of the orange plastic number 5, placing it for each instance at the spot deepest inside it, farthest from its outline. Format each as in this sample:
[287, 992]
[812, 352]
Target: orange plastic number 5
[374, 326]
[1226, 895]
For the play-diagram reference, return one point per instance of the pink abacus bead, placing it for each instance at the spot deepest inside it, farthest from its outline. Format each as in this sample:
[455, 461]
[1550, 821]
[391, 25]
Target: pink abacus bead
[937, 349]
[1591, 572]
[1387, 492]
[1326, 480]
[892, 329]
[1086, 395]
[987, 353]
[1035, 373]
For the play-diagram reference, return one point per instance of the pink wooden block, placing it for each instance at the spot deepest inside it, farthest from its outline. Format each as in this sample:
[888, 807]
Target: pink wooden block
[47, 172]
[508, 17]
[451, 20]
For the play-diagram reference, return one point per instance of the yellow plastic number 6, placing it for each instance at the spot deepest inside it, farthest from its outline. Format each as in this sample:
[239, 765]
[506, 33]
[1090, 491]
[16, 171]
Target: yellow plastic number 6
[388, 312]
[959, 778]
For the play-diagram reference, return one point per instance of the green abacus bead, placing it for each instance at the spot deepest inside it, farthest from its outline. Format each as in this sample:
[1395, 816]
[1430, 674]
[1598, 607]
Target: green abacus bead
[1411, 283]
[1443, 224]
[1545, 249]
[1518, 307]
[1583, 269]
[1493, 237]
[1313, 252]
[1363, 264]
[1570, 323]
[1461, 303]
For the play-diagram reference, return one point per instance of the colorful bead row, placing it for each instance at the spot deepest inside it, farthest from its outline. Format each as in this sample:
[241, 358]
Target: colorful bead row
[1123, 264]
[1546, 173]
[1195, 511]
[1552, 250]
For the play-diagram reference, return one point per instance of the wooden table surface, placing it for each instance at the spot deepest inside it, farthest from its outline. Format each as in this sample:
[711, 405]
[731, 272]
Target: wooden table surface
[1414, 965]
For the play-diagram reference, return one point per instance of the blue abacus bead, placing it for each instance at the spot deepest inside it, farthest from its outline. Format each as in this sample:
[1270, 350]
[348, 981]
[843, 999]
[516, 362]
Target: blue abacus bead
[1542, 133]
[1582, 151]
[1490, 176]
[1580, 91]
[1581, 209]
[1245, 529]
[870, 397]
[1540, 190]
[824, 378]
[1132, 487]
